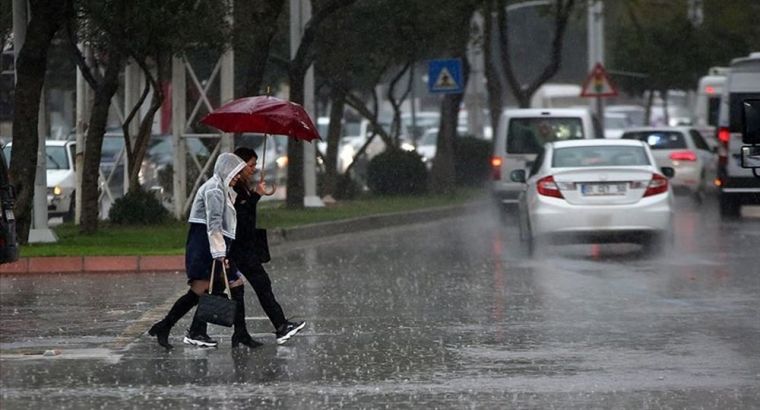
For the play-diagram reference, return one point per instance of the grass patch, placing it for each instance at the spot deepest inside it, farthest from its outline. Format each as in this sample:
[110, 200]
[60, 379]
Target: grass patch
[169, 239]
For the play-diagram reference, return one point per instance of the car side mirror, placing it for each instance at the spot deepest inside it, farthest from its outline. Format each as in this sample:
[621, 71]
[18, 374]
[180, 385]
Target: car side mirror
[517, 175]
[751, 117]
[668, 171]
[750, 156]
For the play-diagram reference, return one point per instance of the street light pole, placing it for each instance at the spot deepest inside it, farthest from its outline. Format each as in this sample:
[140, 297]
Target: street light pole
[300, 13]
[595, 44]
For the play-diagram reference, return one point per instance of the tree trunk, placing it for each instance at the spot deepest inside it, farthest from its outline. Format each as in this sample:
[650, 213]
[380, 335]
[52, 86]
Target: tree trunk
[333, 142]
[522, 93]
[442, 175]
[263, 14]
[92, 152]
[46, 18]
[295, 186]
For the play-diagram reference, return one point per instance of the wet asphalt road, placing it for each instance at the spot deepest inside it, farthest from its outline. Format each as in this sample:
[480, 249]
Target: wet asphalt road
[444, 314]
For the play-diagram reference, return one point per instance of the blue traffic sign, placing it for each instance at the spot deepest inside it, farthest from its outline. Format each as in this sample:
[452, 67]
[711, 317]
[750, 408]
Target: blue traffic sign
[445, 76]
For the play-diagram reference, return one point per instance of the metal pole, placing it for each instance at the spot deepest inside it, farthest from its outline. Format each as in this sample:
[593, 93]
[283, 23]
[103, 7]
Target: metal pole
[300, 13]
[227, 85]
[179, 118]
[595, 33]
[81, 127]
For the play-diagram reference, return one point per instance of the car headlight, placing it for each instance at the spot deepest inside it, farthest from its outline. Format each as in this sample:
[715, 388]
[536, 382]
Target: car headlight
[57, 190]
[407, 146]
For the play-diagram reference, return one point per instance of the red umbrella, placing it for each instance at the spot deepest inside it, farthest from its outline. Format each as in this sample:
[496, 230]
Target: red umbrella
[266, 115]
[263, 114]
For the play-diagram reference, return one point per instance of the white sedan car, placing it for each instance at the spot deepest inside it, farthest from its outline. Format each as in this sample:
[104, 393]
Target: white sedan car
[594, 191]
[684, 149]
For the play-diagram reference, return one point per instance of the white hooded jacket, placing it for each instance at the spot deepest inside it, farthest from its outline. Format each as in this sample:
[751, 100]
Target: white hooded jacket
[214, 204]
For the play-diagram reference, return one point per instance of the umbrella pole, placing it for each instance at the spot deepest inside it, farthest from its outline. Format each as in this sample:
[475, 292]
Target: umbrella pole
[263, 167]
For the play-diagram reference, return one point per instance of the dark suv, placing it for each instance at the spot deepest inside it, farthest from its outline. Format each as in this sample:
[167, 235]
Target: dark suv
[8, 245]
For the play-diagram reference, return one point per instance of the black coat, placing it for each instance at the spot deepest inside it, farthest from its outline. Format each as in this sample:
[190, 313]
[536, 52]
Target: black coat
[241, 251]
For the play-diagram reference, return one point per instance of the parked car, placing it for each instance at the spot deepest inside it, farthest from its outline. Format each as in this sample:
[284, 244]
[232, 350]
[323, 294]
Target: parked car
[615, 124]
[738, 186]
[521, 136]
[595, 191]
[683, 149]
[428, 144]
[636, 114]
[61, 176]
[8, 239]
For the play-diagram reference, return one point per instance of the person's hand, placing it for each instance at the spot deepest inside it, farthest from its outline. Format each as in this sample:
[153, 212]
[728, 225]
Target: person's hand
[261, 188]
[223, 261]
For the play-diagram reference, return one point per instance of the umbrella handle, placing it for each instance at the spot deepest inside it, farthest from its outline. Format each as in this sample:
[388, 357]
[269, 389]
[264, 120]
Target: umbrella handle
[271, 192]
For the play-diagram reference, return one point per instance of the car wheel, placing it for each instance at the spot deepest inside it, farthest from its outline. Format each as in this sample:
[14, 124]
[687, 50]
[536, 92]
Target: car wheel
[699, 193]
[654, 245]
[527, 243]
[69, 215]
[729, 206]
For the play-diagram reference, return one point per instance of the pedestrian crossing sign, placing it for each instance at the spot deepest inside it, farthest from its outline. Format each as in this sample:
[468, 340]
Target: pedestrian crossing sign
[445, 76]
[598, 84]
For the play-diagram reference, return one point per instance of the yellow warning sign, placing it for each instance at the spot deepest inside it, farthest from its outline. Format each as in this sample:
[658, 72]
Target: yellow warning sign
[598, 84]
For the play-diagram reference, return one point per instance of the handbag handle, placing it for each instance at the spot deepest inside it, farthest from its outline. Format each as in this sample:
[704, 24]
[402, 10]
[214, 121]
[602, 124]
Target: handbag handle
[226, 282]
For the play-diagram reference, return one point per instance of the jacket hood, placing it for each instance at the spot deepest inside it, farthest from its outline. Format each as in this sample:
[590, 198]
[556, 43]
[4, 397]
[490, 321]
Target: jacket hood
[227, 166]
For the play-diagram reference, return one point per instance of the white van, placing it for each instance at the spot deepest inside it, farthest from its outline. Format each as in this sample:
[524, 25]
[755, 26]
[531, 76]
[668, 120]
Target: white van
[522, 134]
[738, 186]
[558, 95]
[707, 105]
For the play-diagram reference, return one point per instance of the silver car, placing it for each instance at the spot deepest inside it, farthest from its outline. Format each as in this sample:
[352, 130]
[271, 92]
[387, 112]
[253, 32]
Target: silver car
[685, 150]
[593, 191]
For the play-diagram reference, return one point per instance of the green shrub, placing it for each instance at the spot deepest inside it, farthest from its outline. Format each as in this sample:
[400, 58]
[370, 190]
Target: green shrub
[471, 164]
[396, 171]
[138, 208]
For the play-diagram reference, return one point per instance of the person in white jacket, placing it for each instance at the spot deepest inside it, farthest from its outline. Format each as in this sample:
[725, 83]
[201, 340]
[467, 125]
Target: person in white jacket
[212, 228]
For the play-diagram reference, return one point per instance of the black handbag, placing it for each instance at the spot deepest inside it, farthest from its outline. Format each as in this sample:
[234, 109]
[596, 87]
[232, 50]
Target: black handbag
[261, 245]
[218, 309]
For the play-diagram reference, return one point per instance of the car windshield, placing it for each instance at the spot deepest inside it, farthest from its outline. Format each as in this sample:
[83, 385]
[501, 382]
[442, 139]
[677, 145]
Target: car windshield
[659, 139]
[528, 135]
[615, 122]
[56, 157]
[599, 156]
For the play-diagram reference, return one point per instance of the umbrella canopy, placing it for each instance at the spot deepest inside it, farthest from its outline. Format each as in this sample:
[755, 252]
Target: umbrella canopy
[263, 114]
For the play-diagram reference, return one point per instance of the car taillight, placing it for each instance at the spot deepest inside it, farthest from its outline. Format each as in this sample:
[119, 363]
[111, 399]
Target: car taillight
[547, 187]
[683, 156]
[657, 185]
[724, 135]
[496, 168]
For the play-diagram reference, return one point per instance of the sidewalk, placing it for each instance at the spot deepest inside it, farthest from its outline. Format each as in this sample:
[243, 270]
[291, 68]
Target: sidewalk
[175, 263]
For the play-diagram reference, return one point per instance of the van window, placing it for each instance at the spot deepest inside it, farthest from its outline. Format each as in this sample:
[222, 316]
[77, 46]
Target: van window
[735, 109]
[713, 109]
[528, 135]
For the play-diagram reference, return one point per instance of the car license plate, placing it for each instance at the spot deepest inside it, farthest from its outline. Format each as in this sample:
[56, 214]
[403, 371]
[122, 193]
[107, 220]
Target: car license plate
[603, 189]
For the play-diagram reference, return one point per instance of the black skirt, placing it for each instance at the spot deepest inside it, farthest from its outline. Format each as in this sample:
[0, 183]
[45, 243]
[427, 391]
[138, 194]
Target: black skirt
[198, 255]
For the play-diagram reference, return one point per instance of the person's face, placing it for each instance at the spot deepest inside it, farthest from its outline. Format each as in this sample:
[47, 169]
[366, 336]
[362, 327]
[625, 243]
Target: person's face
[237, 177]
[249, 169]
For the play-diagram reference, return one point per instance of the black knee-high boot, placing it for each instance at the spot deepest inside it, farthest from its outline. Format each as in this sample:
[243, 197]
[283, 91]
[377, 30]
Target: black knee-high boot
[162, 328]
[241, 335]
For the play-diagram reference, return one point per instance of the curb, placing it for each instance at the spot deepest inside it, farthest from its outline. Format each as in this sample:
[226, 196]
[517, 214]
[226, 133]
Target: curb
[277, 237]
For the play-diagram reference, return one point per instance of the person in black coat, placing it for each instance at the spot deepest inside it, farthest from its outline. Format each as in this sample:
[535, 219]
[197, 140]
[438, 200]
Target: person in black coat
[248, 263]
